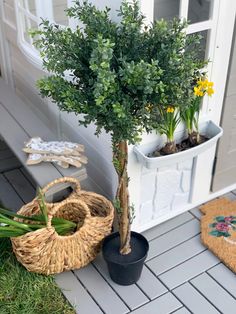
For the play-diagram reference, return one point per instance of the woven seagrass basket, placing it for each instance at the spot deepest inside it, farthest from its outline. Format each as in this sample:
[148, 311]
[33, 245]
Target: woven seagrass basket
[44, 251]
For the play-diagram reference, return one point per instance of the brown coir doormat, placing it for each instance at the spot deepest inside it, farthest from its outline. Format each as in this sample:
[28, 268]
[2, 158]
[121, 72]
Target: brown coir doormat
[218, 230]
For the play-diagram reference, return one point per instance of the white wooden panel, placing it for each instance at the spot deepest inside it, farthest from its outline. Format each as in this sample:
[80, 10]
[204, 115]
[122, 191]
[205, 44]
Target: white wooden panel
[98, 149]
[183, 10]
[10, 33]
[23, 67]
[202, 175]
[10, 3]
[226, 19]
[30, 96]
[9, 14]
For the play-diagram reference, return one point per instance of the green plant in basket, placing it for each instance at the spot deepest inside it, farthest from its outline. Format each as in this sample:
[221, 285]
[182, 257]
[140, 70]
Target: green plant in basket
[14, 225]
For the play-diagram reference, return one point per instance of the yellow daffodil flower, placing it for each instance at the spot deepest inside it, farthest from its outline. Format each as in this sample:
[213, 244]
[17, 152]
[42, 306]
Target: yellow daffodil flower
[198, 91]
[210, 91]
[202, 84]
[170, 109]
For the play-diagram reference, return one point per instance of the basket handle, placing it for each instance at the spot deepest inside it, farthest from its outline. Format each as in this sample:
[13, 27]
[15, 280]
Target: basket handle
[62, 180]
[65, 202]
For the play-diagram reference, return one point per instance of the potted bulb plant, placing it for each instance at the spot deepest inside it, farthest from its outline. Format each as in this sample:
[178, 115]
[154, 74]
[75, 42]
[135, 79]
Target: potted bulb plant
[123, 77]
[190, 114]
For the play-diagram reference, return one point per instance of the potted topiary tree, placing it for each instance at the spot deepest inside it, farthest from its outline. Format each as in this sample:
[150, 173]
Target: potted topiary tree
[118, 72]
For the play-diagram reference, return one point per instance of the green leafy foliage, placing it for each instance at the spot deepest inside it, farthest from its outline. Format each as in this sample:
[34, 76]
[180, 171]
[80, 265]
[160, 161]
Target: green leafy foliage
[24, 224]
[116, 69]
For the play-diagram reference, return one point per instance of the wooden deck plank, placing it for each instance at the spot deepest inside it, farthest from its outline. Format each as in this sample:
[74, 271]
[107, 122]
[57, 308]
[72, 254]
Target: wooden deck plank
[131, 295]
[104, 295]
[189, 269]
[76, 294]
[167, 303]
[225, 277]
[8, 195]
[176, 256]
[6, 154]
[3, 145]
[150, 284]
[214, 293]
[173, 238]
[22, 186]
[9, 164]
[193, 300]
[183, 310]
[230, 196]
[196, 213]
[167, 226]
[28, 177]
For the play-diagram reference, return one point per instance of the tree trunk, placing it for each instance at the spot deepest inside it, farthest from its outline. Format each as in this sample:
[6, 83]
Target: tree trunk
[120, 159]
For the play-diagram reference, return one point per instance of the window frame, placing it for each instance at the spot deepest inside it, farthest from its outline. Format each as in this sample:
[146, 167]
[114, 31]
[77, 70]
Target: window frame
[44, 9]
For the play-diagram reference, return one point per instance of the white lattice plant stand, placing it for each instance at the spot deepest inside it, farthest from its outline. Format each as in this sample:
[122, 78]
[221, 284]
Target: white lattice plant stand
[163, 185]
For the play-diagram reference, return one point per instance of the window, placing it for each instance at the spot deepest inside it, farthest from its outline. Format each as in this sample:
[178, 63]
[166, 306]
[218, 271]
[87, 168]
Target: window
[28, 16]
[202, 16]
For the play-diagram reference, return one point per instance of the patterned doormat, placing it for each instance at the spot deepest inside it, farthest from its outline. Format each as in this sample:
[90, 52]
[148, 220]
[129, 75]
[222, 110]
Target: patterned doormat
[218, 230]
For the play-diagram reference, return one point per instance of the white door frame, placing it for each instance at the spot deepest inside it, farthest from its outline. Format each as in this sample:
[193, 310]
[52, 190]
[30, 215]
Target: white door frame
[214, 107]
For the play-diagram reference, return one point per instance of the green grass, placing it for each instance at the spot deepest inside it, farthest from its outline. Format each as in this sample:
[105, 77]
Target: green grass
[22, 292]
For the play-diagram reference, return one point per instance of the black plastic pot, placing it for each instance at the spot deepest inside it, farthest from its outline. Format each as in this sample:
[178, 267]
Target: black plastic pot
[125, 269]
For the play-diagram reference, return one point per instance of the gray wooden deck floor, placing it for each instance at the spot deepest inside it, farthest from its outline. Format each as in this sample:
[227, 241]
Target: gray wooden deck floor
[180, 275]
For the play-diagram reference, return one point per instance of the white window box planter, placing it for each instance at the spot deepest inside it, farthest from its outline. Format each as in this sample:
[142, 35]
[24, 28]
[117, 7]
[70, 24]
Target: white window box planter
[166, 182]
[208, 129]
